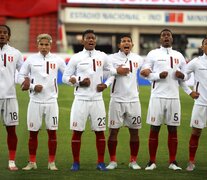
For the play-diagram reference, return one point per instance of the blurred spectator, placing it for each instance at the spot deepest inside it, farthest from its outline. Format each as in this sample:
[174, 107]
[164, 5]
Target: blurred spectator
[183, 43]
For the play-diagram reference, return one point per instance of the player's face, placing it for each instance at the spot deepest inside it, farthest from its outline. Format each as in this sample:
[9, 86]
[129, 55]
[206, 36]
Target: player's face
[89, 41]
[126, 45]
[204, 46]
[4, 36]
[44, 46]
[166, 39]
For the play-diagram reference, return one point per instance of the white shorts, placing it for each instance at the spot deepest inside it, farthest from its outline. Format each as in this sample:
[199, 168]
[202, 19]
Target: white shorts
[93, 110]
[9, 112]
[164, 111]
[124, 114]
[37, 111]
[199, 116]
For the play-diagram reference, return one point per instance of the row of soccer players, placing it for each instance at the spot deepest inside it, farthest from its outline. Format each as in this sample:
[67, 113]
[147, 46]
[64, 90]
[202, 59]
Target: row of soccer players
[164, 67]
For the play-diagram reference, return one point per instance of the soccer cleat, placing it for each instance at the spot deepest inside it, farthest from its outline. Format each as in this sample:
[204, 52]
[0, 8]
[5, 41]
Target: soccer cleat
[52, 166]
[12, 166]
[101, 166]
[150, 166]
[75, 166]
[174, 166]
[30, 166]
[190, 167]
[112, 165]
[134, 165]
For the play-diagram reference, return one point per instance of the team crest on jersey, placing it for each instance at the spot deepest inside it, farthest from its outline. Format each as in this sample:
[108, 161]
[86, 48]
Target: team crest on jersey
[196, 122]
[52, 66]
[98, 63]
[75, 124]
[10, 58]
[31, 124]
[112, 122]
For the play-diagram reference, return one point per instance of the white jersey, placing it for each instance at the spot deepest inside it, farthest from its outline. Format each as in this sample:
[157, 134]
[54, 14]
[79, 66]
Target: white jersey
[43, 71]
[87, 64]
[198, 66]
[164, 59]
[125, 88]
[11, 60]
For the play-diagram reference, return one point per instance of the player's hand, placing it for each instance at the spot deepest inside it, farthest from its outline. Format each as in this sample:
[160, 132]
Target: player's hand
[85, 82]
[194, 94]
[72, 80]
[145, 72]
[38, 88]
[179, 75]
[122, 70]
[26, 84]
[101, 87]
[163, 74]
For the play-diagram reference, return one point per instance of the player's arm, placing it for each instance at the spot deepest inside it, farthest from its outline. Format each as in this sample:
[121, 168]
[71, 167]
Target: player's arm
[25, 84]
[152, 76]
[38, 88]
[62, 65]
[108, 66]
[147, 69]
[182, 73]
[23, 77]
[107, 83]
[69, 76]
[188, 90]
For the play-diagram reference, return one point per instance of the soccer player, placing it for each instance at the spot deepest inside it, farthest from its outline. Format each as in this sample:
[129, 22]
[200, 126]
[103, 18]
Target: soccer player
[11, 60]
[167, 72]
[125, 108]
[42, 69]
[85, 72]
[198, 66]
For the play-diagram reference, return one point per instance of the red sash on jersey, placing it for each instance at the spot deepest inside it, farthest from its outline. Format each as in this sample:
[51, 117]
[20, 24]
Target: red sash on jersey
[5, 60]
[47, 67]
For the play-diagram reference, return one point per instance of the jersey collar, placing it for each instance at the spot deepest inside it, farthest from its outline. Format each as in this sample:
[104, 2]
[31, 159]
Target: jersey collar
[168, 50]
[89, 53]
[5, 46]
[47, 55]
[204, 56]
[123, 54]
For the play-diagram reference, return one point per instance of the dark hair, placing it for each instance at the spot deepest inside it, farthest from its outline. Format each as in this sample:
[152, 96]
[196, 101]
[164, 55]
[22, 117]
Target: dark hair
[166, 30]
[122, 36]
[7, 27]
[87, 32]
[204, 40]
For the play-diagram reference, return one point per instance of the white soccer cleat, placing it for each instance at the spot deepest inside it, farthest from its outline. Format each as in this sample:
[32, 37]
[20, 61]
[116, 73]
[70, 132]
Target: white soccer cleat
[30, 166]
[112, 165]
[134, 165]
[52, 166]
[150, 166]
[174, 166]
[12, 166]
[190, 167]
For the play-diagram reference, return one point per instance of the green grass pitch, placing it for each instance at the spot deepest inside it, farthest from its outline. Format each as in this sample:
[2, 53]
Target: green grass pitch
[88, 149]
